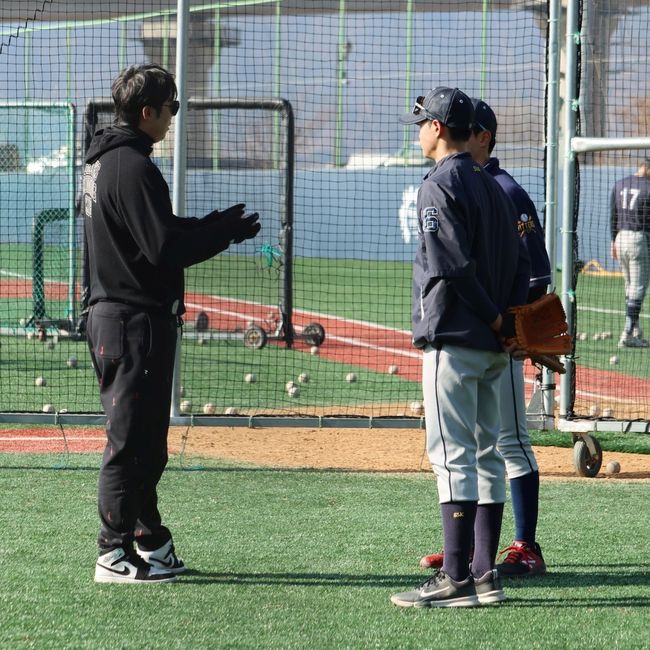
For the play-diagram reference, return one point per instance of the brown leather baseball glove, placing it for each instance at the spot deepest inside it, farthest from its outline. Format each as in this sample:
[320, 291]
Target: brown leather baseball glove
[540, 328]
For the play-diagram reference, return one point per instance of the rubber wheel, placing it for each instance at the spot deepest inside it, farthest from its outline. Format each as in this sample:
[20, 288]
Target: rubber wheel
[314, 333]
[586, 464]
[255, 338]
[201, 322]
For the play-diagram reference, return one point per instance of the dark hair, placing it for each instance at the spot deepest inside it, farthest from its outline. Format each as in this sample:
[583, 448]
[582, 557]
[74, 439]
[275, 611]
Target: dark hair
[458, 134]
[138, 86]
[477, 131]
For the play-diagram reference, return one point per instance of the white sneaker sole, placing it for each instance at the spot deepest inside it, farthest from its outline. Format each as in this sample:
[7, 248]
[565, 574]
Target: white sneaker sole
[105, 579]
[467, 601]
[496, 596]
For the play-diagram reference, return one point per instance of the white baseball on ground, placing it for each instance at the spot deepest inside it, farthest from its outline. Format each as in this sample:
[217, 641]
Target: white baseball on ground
[303, 377]
[209, 408]
[294, 391]
[613, 360]
[72, 362]
[417, 408]
[289, 385]
[393, 370]
[232, 410]
[40, 381]
[594, 410]
[351, 377]
[613, 467]
[314, 350]
[186, 406]
[250, 378]
[608, 413]
[48, 408]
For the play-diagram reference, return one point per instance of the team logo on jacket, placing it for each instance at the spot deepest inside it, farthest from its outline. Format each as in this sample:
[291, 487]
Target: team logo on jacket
[525, 225]
[430, 221]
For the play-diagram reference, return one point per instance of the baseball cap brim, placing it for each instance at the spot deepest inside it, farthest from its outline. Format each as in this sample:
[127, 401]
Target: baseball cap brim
[410, 118]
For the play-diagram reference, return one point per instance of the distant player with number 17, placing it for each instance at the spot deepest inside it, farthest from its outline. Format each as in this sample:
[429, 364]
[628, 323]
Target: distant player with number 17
[630, 229]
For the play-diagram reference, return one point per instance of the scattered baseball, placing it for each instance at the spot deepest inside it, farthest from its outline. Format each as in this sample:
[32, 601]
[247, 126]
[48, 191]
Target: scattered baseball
[613, 360]
[186, 406]
[294, 391]
[72, 362]
[582, 336]
[613, 467]
[608, 413]
[48, 408]
[231, 410]
[40, 381]
[608, 335]
[181, 391]
[314, 350]
[30, 335]
[351, 377]
[393, 370]
[22, 322]
[50, 345]
[289, 385]
[303, 377]
[200, 340]
[594, 410]
[209, 408]
[596, 336]
[417, 408]
[250, 378]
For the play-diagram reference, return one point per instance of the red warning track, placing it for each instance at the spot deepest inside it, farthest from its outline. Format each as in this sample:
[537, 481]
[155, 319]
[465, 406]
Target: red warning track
[350, 341]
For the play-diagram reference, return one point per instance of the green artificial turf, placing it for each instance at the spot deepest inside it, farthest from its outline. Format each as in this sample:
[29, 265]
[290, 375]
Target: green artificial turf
[295, 559]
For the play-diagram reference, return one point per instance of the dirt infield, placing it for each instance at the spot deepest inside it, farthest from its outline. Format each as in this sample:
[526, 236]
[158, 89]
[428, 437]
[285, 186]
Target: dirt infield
[378, 450]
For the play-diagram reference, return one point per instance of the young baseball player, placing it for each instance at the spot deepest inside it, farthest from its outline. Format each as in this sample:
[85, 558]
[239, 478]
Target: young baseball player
[137, 250]
[630, 228]
[470, 266]
[524, 556]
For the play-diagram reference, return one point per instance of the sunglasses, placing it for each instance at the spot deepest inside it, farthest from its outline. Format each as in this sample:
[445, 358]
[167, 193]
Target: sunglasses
[173, 106]
[418, 109]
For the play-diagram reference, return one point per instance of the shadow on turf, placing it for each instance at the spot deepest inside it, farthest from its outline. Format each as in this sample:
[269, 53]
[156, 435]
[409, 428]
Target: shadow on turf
[193, 576]
[567, 580]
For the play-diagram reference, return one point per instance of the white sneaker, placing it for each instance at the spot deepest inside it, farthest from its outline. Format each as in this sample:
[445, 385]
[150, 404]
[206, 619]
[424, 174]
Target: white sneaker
[119, 566]
[163, 558]
[631, 341]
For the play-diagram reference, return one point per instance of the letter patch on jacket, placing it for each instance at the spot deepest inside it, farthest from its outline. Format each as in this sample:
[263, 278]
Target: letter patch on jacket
[430, 221]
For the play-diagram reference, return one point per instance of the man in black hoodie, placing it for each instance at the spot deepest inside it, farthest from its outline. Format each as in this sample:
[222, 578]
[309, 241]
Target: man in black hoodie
[137, 250]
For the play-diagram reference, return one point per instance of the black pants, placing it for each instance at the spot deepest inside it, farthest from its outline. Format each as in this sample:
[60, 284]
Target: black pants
[133, 354]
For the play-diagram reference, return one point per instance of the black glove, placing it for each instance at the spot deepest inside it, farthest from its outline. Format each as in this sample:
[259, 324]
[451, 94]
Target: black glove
[229, 213]
[245, 227]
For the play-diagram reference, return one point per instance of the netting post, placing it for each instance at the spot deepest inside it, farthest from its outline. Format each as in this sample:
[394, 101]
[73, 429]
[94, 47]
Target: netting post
[180, 158]
[38, 277]
[550, 209]
[568, 200]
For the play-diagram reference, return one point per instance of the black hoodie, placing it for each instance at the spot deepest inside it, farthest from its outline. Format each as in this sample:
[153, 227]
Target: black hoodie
[137, 247]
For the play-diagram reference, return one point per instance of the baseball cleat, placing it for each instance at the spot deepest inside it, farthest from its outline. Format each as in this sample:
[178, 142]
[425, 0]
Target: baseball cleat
[522, 559]
[489, 588]
[439, 591]
[632, 341]
[163, 558]
[123, 567]
[435, 560]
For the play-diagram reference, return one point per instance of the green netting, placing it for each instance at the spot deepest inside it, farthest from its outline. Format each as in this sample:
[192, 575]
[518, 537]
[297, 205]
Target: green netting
[610, 381]
[348, 69]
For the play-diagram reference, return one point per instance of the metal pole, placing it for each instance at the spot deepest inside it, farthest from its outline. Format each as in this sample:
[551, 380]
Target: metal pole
[340, 82]
[72, 221]
[408, 100]
[568, 199]
[180, 156]
[484, 26]
[550, 211]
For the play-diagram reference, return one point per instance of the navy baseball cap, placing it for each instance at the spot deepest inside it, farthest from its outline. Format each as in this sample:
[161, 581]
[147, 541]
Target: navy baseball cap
[484, 117]
[450, 106]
